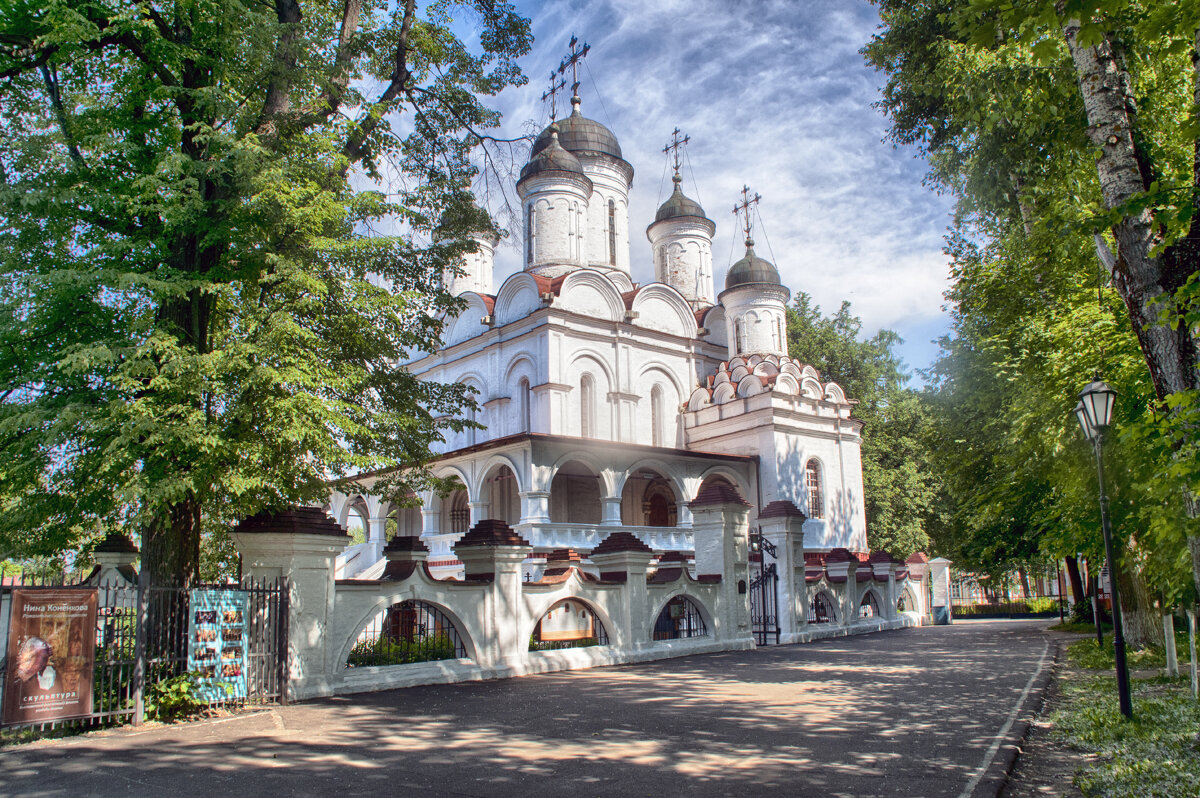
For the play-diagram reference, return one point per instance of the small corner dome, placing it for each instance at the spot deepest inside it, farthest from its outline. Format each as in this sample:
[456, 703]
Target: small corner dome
[751, 269]
[577, 133]
[678, 205]
[551, 158]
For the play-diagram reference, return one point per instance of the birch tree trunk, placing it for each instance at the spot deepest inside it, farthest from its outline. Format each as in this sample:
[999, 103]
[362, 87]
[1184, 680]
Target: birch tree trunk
[1145, 274]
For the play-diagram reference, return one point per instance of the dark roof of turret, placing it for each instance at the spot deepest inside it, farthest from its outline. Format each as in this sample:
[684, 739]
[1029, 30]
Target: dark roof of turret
[751, 269]
[577, 133]
[551, 158]
[678, 205]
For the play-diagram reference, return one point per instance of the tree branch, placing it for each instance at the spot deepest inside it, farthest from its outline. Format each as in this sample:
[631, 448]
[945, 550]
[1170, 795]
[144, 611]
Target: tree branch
[356, 149]
[60, 114]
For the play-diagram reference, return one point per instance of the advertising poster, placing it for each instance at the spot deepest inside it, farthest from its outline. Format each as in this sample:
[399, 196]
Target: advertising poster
[217, 642]
[51, 654]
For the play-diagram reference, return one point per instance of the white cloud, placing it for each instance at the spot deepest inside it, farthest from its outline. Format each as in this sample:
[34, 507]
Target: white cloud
[774, 95]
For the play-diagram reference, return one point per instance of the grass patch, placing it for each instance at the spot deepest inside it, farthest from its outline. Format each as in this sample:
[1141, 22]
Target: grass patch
[1085, 654]
[1157, 754]
[1080, 627]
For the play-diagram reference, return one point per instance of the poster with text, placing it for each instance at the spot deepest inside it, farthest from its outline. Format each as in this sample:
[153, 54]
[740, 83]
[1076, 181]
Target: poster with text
[217, 642]
[51, 653]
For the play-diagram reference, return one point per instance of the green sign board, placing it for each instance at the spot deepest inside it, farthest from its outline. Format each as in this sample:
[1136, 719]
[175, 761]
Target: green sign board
[217, 642]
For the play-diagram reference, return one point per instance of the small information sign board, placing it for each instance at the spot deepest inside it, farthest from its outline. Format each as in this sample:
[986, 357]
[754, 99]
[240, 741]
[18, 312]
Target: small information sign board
[217, 642]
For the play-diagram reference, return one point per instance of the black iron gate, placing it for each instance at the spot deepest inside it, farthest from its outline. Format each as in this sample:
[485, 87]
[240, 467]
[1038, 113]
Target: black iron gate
[764, 593]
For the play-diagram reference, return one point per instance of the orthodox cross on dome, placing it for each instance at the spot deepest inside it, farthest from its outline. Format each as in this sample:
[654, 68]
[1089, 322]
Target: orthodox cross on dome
[744, 207]
[673, 149]
[572, 61]
[551, 94]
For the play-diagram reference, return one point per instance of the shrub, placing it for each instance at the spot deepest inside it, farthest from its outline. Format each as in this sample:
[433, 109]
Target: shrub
[393, 651]
[175, 698]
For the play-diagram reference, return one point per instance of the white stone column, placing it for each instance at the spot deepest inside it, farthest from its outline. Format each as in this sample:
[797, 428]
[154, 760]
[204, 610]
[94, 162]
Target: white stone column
[939, 577]
[721, 530]
[621, 557]
[782, 524]
[610, 510]
[492, 552]
[535, 507]
[300, 544]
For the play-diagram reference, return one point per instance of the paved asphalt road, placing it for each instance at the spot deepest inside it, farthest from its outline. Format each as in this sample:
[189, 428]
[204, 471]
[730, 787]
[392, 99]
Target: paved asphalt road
[914, 712]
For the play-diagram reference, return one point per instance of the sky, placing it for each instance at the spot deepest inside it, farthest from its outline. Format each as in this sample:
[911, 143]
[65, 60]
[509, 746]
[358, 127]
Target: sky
[774, 95]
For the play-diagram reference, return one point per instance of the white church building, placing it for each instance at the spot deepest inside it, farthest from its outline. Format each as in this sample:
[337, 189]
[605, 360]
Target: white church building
[651, 475]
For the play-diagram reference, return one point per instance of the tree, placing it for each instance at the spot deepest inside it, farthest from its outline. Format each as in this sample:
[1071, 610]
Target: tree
[223, 225]
[1002, 96]
[899, 486]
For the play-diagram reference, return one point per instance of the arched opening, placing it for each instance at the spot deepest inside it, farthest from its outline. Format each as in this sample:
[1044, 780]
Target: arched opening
[679, 619]
[404, 522]
[456, 513]
[358, 521]
[716, 480]
[906, 603]
[411, 631]
[526, 413]
[568, 624]
[820, 609]
[587, 406]
[868, 607]
[648, 500]
[504, 501]
[812, 483]
[575, 495]
[656, 416]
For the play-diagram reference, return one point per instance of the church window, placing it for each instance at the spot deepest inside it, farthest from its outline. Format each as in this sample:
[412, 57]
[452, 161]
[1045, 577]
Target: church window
[530, 226]
[656, 416]
[460, 512]
[612, 233]
[587, 407]
[739, 336]
[812, 481]
[526, 420]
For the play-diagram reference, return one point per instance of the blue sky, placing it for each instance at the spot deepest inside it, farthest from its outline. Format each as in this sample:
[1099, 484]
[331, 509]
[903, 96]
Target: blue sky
[774, 95]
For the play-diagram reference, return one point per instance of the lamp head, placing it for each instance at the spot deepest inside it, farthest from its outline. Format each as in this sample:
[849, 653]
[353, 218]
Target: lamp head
[1084, 424]
[1098, 400]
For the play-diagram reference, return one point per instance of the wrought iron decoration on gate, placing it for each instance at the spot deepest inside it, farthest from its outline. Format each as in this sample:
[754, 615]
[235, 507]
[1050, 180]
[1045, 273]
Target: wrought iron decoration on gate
[764, 594]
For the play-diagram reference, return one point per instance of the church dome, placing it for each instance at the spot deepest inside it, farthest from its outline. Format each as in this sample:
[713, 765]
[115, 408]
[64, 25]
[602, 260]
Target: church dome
[551, 158]
[751, 269]
[577, 133]
[678, 205]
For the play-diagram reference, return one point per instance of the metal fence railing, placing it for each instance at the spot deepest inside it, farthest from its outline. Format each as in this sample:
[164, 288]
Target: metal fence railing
[79, 654]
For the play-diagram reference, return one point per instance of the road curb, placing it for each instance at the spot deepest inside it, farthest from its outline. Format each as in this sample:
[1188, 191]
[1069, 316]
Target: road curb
[1001, 768]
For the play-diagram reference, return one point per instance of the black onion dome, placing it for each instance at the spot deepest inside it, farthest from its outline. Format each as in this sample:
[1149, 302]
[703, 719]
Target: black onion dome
[577, 133]
[678, 205]
[551, 158]
[751, 269]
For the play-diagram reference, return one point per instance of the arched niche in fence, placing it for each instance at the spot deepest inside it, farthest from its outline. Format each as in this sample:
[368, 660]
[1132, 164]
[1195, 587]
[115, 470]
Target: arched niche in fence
[869, 606]
[680, 618]
[907, 601]
[570, 623]
[405, 633]
[821, 608]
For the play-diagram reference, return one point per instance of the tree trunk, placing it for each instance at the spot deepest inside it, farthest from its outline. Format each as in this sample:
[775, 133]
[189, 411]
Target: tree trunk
[1145, 273]
[1024, 577]
[1075, 580]
[1140, 619]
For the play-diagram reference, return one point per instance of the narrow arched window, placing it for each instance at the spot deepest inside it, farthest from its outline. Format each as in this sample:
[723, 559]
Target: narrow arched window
[530, 227]
[612, 233]
[656, 416]
[587, 406]
[526, 414]
[812, 480]
[739, 337]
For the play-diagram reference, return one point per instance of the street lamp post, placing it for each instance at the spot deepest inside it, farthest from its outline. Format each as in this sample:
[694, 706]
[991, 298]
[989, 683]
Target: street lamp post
[1094, 413]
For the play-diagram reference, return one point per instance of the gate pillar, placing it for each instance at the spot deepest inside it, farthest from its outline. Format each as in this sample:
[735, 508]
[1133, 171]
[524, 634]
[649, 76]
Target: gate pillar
[492, 552]
[300, 543]
[622, 557]
[782, 524]
[721, 531]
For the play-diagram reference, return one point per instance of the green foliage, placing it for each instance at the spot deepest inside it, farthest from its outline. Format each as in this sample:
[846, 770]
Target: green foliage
[555, 645]
[386, 650]
[175, 698]
[1155, 754]
[207, 283]
[900, 489]
[990, 93]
